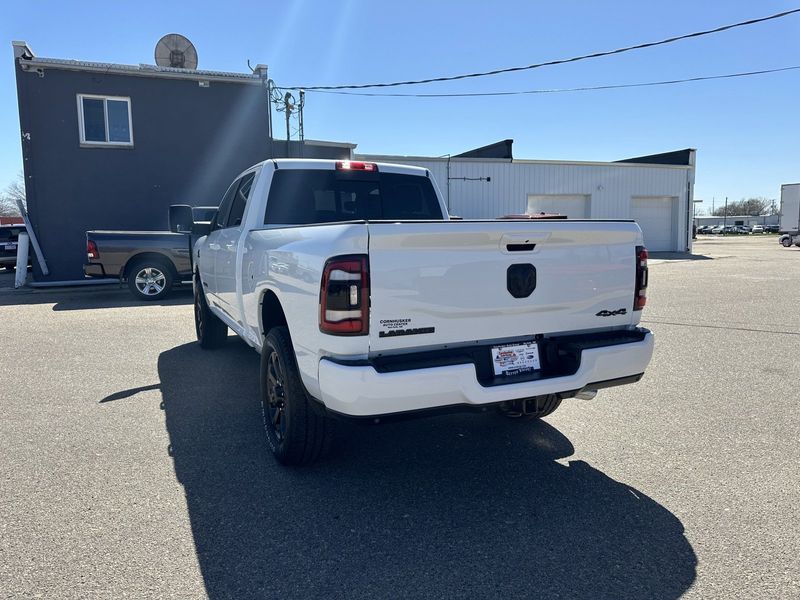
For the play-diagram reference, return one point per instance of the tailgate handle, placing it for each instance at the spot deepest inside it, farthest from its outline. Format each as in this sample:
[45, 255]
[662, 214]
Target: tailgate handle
[526, 247]
[519, 241]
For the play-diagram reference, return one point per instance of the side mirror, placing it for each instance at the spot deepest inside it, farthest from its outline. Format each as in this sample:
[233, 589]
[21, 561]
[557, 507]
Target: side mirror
[180, 218]
[201, 228]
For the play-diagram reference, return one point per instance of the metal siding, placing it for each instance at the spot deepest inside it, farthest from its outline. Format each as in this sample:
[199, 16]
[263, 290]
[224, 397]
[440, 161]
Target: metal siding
[611, 187]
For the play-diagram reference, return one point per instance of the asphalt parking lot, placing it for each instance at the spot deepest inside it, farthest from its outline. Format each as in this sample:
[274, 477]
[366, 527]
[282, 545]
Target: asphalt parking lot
[132, 463]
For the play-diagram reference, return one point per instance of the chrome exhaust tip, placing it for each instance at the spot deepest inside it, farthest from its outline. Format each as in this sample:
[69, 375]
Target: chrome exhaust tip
[586, 394]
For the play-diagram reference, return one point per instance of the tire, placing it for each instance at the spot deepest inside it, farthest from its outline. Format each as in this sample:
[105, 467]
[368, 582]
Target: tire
[211, 331]
[786, 242]
[298, 431]
[150, 279]
[529, 409]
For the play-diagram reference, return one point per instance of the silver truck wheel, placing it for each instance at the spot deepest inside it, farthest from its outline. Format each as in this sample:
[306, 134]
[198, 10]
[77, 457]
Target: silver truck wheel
[150, 280]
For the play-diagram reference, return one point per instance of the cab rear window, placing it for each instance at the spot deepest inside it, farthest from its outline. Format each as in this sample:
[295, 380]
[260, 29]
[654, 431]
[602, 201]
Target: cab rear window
[10, 234]
[306, 196]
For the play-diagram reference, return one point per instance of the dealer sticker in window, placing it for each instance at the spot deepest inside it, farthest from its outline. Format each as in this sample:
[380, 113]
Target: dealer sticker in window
[516, 358]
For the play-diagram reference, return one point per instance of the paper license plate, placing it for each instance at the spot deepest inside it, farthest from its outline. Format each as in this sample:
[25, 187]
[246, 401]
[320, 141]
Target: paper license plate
[515, 358]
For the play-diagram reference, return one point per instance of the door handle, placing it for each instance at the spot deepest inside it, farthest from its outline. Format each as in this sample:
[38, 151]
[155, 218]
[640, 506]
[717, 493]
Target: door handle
[230, 246]
[213, 246]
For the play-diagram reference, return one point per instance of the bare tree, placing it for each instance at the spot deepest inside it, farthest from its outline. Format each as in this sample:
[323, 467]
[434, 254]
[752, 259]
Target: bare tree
[754, 207]
[8, 197]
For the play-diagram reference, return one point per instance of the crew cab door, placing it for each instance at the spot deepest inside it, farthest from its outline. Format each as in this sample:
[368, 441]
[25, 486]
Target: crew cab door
[211, 246]
[225, 263]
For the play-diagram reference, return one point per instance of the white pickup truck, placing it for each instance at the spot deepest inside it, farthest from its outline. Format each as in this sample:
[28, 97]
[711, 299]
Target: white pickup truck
[366, 300]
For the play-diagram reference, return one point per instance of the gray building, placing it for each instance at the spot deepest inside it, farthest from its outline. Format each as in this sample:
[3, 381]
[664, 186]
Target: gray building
[109, 146]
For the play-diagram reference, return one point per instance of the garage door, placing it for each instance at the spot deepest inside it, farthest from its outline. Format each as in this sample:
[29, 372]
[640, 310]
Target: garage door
[575, 207]
[656, 216]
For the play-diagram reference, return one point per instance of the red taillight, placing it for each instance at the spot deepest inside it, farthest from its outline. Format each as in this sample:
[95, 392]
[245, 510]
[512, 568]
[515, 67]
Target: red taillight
[344, 296]
[640, 293]
[91, 249]
[355, 165]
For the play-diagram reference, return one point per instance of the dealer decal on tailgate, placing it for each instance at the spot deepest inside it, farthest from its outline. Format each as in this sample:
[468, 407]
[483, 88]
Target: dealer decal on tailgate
[397, 327]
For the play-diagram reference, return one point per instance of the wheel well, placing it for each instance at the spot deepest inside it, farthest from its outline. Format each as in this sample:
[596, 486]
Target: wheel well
[271, 312]
[153, 256]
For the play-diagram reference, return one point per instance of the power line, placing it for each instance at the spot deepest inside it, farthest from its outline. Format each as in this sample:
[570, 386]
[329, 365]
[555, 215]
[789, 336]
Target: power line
[553, 62]
[562, 90]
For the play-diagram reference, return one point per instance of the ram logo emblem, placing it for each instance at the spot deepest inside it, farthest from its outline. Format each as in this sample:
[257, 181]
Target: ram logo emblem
[521, 280]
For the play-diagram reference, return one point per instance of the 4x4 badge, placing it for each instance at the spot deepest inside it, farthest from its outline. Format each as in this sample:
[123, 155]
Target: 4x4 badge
[612, 313]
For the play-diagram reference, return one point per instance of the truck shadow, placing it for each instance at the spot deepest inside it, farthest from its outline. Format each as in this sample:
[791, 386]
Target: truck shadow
[678, 256]
[87, 298]
[455, 506]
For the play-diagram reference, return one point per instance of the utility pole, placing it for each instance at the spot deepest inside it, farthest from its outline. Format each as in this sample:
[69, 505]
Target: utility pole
[725, 216]
[285, 103]
[300, 119]
[288, 105]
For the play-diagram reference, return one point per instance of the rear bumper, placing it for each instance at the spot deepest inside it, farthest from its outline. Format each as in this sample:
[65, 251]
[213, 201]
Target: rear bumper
[94, 270]
[362, 391]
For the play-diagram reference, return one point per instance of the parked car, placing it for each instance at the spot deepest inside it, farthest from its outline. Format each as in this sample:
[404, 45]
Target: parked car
[717, 229]
[741, 229]
[407, 311]
[757, 229]
[150, 262]
[771, 228]
[9, 241]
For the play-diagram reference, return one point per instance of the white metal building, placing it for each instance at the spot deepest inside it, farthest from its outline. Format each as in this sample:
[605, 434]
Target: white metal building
[657, 196]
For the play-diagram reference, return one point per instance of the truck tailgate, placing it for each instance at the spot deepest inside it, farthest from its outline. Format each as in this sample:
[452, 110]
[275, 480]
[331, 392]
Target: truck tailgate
[442, 283]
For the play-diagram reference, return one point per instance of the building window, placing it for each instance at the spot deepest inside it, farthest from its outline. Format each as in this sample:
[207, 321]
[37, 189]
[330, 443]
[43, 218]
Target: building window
[105, 120]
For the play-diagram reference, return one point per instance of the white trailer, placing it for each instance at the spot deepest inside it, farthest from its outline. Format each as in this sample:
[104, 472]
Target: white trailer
[790, 209]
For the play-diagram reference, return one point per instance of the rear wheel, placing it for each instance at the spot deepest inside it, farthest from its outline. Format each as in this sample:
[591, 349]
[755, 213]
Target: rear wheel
[786, 242]
[211, 331]
[528, 409]
[298, 431]
[150, 279]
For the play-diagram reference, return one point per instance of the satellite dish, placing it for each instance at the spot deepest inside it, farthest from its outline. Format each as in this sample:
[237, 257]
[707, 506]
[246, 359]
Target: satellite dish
[174, 50]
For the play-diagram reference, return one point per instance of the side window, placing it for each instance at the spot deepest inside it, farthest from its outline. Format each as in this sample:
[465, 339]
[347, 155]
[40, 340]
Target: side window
[105, 120]
[225, 206]
[240, 201]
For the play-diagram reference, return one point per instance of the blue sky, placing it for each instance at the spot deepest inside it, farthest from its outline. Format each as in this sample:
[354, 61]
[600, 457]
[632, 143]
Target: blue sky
[745, 130]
